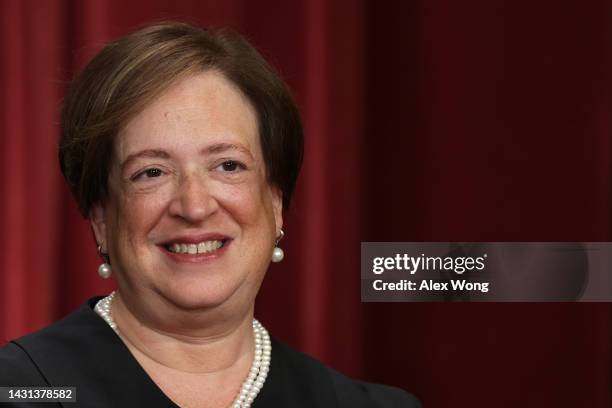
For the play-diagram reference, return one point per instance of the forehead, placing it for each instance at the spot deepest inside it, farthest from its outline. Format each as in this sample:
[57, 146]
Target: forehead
[197, 111]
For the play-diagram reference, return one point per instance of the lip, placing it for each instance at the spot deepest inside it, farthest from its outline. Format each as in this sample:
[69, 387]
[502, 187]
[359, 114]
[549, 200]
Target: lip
[195, 239]
[196, 258]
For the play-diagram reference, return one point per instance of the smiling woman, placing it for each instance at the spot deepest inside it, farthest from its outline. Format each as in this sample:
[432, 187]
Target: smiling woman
[182, 148]
[189, 173]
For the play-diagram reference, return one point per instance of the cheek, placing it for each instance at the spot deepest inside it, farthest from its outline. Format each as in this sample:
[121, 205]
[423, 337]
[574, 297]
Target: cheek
[249, 204]
[136, 214]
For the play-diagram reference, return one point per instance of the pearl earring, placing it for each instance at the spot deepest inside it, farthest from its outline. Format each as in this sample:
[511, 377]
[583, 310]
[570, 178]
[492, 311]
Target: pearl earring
[104, 270]
[277, 253]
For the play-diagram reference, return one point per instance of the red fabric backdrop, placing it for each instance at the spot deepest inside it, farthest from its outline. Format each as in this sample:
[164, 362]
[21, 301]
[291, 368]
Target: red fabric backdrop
[467, 120]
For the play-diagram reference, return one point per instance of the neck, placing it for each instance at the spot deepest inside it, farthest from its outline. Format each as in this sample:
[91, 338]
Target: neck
[213, 349]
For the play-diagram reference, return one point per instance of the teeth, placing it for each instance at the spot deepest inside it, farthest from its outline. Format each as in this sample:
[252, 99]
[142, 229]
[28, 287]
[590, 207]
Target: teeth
[200, 248]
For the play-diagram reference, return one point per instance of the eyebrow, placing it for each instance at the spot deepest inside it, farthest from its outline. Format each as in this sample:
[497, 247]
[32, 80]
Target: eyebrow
[223, 147]
[153, 153]
[216, 148]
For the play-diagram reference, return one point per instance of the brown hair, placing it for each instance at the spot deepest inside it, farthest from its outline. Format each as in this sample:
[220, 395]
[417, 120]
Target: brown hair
[130, 72]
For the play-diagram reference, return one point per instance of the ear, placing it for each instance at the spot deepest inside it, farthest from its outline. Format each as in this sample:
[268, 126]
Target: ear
[97, 219]
[277, 206]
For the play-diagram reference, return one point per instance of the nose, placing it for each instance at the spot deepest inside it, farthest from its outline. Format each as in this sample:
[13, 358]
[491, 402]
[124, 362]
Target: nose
[193, 200]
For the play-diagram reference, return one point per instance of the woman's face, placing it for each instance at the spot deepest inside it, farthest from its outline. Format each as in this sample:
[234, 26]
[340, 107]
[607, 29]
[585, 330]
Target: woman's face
[191, 218]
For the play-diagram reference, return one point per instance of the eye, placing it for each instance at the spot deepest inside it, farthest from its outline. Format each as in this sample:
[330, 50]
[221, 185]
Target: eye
[148, 173]
[231, 166]
[153, 172]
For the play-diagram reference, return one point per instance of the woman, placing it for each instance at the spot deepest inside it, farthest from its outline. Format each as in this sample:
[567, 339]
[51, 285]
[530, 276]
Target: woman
[182, 147]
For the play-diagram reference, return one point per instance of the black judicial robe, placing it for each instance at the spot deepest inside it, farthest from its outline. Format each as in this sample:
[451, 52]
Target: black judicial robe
[82, 351]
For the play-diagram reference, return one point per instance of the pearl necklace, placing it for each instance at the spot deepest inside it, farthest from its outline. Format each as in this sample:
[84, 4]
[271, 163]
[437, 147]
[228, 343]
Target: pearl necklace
[259, 369]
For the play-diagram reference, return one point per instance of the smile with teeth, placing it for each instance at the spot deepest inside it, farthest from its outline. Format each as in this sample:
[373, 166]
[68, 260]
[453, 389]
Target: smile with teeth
[200, 248]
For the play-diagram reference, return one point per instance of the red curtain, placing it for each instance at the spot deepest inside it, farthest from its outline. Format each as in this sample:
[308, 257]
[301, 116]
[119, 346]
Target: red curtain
[440, 120]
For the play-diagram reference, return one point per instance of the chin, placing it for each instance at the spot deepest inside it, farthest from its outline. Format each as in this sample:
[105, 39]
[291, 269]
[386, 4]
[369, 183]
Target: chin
[199, 295]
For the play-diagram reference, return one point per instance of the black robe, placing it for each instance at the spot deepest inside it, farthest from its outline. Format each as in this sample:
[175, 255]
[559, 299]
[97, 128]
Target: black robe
[82, 351]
